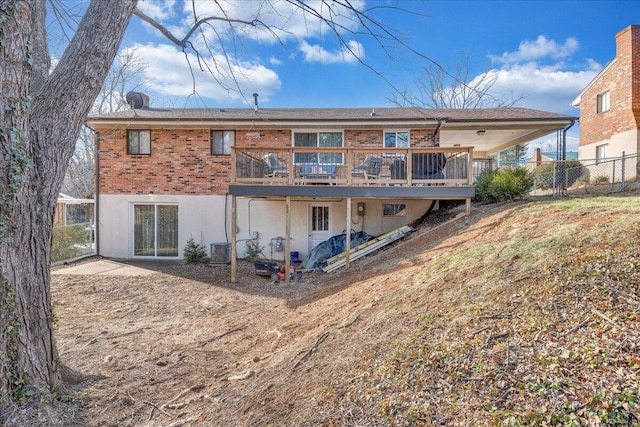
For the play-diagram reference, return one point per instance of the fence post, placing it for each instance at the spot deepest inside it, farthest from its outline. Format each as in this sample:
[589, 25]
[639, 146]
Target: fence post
[613, 176]
[624, 163]
[554, 175]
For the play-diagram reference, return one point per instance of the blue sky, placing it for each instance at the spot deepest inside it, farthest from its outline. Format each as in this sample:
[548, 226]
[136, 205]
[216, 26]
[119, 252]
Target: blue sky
[543, 51]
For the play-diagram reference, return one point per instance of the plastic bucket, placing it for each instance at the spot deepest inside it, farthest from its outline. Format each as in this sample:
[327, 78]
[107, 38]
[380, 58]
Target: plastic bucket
[293, 256]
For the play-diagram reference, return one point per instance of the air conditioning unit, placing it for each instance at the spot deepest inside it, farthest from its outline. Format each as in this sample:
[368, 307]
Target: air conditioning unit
[220, 253]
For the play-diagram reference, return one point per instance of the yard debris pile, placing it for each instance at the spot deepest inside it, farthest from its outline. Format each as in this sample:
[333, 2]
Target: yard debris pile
[522, 314]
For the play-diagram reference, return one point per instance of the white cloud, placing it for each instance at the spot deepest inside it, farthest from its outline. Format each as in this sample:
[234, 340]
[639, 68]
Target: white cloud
[350, 53]
[275, 61]
[542, 47]
[157, 9]
[542, 88]
[285, 20]
[168, 73]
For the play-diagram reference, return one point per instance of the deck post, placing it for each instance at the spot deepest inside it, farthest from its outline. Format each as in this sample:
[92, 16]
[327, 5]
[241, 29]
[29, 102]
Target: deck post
[287, 243]
[234, 264]
[347, 244]
[467, 210]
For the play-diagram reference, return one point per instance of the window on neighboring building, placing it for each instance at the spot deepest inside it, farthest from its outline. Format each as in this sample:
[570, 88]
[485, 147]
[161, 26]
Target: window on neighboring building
[396, 140]
[139, 142]
[602, 153]
[394, 209]
[604, 102]
[155, 230]
[222, 141]
[318, 139]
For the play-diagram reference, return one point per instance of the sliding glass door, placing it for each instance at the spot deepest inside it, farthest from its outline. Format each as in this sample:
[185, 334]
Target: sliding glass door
[155, 230]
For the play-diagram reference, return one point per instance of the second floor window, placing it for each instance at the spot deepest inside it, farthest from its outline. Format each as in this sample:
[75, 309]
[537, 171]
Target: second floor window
[318, 139]
[604, 102]
[139, 142]
[222, 141]
[396, 140]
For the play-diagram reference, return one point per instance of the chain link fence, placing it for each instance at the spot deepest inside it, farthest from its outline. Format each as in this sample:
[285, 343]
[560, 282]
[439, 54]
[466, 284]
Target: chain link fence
[74, 231]
[606, 175]
[72, 241]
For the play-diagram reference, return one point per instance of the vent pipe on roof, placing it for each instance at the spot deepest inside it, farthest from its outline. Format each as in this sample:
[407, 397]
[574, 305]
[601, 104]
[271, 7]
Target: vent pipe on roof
[255, 102]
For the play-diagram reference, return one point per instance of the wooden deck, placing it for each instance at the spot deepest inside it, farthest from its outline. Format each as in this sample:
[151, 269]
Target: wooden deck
[437, 172]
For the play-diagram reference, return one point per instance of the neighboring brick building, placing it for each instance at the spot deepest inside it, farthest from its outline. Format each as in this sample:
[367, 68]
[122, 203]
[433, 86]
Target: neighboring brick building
[610, 104]
[223, 175]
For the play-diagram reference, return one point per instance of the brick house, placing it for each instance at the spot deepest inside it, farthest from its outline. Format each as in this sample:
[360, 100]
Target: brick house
[610, 104]
[289, 178]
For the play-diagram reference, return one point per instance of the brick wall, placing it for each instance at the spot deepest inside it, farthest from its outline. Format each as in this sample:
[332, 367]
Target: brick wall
[624, 93]
[181, 161]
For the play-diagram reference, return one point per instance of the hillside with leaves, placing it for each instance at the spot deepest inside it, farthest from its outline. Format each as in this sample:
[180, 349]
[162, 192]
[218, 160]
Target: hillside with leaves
[521, 314]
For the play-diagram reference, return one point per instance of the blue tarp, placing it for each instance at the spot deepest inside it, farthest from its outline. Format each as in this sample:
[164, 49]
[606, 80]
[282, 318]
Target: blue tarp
[333, 246]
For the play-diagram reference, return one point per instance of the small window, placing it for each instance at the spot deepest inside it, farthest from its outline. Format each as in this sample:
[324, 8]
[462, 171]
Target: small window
[139, 142]
[396, 140]
[604, 102]
[602, 153]
[394, 209]
[320, 218]
[222, 141]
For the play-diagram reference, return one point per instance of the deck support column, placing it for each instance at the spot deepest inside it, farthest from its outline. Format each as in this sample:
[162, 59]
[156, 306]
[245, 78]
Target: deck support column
[287, 243]
[467, 209]
[234, 264]
[347, 244]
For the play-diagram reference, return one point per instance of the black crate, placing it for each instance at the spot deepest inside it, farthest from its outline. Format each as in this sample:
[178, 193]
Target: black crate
[266, 268]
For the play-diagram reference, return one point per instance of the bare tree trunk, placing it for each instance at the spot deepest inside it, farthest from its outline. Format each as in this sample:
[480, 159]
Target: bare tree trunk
[40, 121]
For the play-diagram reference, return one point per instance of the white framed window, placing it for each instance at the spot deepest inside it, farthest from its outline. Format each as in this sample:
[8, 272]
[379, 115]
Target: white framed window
[319, 139]
[602, 153]
[394, 209]
[222, 141]
[320, 218]
[604, 102]
[155, 230]
[138, 141]
[396, 139]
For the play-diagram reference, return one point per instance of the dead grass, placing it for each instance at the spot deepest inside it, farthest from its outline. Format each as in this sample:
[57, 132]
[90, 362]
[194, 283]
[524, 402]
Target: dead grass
[522, 314]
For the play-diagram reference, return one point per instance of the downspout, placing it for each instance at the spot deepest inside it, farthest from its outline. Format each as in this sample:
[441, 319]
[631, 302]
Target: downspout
[564, 156]
[564, 139]
[96, 197]
[436, 133]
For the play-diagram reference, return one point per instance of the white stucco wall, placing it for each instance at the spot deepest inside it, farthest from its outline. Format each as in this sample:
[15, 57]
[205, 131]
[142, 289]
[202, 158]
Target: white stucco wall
[626, 141]
[200, 217]
[208, 220]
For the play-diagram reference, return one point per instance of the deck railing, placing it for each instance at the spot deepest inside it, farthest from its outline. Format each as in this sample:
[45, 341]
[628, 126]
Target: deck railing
[353, 166]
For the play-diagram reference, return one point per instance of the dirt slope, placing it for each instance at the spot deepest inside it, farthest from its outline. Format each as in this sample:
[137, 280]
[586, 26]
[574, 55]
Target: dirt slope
[521, 314]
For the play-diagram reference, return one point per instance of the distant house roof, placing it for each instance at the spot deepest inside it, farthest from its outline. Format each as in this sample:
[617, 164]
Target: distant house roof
[552, 155]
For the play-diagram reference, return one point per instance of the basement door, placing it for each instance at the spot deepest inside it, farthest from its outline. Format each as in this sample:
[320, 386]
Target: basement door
[155, 230]
[319, 227]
